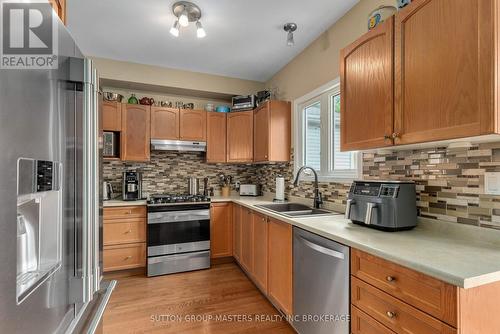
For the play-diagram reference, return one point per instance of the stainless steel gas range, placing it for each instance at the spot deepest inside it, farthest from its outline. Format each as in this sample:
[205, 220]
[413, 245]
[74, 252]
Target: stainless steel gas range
[178, 234]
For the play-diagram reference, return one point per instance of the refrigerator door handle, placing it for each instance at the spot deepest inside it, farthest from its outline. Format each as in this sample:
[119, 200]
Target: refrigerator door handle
[94, 324]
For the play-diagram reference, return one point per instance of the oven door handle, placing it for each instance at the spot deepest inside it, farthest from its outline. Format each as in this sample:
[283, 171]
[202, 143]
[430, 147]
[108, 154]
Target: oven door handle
[178, 216]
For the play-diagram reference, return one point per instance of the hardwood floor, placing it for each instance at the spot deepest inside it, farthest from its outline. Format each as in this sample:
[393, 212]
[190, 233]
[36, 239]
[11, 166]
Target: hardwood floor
[167, 304]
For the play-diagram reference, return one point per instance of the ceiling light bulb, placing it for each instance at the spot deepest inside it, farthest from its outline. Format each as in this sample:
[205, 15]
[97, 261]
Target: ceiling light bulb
[289, 39]
[175, 29]
[200, 32]
[184, 18]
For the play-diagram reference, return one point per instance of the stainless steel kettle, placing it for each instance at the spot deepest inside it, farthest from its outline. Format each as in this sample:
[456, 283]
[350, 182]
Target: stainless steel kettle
[107, 191]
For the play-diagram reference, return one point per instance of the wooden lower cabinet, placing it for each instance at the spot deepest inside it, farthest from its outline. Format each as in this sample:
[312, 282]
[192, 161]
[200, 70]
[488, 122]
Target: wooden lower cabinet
[221, 230]
[237, 210]
[124, 238]
[385, 295]
[247, 240]
[263, 248]
[260, 251]
[393, 313]
[280, 263]
[126, 256]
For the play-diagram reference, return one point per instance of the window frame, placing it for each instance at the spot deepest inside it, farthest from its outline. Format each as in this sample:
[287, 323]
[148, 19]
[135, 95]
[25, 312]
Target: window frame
[324, 95]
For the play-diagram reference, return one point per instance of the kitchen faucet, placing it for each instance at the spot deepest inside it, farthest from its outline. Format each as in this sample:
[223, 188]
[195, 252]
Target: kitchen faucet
[318, 199]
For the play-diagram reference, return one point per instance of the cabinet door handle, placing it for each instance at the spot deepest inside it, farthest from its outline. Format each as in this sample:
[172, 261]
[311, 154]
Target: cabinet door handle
[129, 231]
[396, 135]
[390, 278]
[391, 315]
[127, 257]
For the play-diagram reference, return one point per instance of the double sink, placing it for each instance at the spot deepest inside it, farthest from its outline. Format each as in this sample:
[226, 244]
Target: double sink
[295, 210]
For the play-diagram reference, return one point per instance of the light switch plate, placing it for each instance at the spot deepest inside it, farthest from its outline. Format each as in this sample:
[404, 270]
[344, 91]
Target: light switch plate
[492, 183]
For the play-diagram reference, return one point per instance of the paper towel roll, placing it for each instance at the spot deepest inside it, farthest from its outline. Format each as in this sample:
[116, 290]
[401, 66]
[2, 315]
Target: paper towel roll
[280, 188]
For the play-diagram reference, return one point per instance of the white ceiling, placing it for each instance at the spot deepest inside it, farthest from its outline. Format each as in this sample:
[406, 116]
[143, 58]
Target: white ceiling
[245, 38]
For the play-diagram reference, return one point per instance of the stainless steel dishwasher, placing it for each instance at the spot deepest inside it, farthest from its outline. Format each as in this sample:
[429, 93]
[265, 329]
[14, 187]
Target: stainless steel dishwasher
[320, 284]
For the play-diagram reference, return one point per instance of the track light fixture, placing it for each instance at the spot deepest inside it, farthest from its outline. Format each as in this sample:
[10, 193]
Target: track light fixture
[187, 12]
[290, 28]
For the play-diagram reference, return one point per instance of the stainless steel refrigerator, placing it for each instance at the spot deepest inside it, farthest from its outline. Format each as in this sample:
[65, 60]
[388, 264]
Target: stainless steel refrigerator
[50, 198]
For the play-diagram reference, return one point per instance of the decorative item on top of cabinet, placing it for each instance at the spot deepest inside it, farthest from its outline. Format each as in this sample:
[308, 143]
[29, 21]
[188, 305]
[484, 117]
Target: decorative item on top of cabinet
[111, 116]
[135, 138]
[165, 123]
[216, 137]
[439, 97]
[280, 265]
[366, 90]
[240, 136]
[272, 131]
[193, 125]
[260, 251]
[221, 230]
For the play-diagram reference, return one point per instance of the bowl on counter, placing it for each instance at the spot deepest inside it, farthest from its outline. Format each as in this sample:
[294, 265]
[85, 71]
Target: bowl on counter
[222, 109]
[113, 97]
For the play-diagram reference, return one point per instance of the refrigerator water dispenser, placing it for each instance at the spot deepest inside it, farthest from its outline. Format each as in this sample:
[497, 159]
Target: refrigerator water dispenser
[39, 224]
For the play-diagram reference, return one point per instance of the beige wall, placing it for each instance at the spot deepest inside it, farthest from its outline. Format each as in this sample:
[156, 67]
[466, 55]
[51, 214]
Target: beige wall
[319, 62]
[167, 77]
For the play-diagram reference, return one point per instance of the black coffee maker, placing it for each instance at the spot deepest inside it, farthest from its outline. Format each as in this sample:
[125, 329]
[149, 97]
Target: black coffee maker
[132, 185]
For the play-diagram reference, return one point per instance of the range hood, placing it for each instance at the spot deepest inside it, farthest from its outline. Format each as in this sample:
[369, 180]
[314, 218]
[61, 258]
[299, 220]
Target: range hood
[178, 145]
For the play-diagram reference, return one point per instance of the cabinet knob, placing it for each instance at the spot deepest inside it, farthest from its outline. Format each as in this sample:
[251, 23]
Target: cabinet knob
[263, 219]
[388, 137]
[391, 314]
[390, 278]
[396, 135]
[128, 257]
[129, 231]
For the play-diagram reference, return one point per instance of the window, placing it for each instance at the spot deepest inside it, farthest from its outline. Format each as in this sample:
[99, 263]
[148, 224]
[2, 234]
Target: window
[317, 133]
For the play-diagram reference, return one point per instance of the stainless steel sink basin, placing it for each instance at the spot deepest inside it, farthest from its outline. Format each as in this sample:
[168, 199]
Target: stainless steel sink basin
[296, 210]
[285, 207]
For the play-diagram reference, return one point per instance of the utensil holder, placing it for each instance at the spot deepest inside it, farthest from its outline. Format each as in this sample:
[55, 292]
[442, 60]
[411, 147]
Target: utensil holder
[225, 191]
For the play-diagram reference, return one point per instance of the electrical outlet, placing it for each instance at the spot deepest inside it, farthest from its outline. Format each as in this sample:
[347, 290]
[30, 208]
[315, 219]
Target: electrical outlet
[492, 183]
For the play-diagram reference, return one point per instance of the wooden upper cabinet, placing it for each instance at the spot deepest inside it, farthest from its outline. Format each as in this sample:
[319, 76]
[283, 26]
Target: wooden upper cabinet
[135, 138]
[366, 74]
[193, 125]
[272, 131]
[216, 137]
[260, 251]
[59, 7]
[221, 230]
[111, 116]
[240, 136]
[280, 264]
[164, 123]
[444, 60]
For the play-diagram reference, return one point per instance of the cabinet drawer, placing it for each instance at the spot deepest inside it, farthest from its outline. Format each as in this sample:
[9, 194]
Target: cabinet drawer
[428, 294]
[122, 231]
[393, 313]
[125, 212]
[362, 323]
[124, 256]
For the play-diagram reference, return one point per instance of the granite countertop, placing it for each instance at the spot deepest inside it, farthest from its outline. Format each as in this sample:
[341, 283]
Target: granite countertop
[462, 255]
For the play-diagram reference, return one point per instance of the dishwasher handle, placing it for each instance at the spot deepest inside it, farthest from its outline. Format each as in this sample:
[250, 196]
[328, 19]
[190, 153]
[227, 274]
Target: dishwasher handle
[321, 249]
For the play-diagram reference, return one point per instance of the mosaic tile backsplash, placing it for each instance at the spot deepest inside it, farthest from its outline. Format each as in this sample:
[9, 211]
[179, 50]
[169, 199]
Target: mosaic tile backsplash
[449, 180]
[167, 172]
